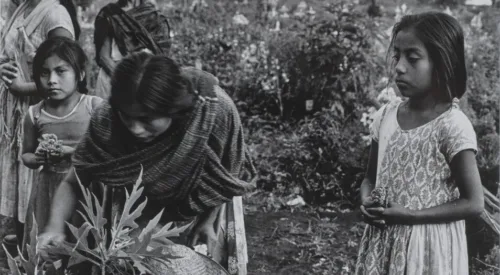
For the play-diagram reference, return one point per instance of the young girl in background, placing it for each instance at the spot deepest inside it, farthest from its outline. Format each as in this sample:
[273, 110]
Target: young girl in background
[422, 160]
[64, 114]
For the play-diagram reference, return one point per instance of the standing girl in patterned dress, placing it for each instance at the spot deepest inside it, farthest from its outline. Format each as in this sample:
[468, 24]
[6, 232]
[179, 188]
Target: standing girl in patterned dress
[59, 73]
[422, 160]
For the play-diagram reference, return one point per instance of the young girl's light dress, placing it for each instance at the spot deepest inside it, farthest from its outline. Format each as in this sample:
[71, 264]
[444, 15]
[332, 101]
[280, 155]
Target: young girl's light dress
[414, 167]
[19, 39]
[70, 129]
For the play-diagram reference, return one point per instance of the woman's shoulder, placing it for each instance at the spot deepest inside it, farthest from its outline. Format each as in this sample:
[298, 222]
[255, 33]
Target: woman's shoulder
[58, 17]
[57, 12]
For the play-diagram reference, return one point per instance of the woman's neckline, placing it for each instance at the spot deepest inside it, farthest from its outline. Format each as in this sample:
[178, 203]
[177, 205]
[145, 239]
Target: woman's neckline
[424, 124]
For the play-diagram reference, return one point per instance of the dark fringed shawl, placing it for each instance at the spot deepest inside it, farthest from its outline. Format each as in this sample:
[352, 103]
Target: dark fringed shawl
[140, 27]
[195, 167]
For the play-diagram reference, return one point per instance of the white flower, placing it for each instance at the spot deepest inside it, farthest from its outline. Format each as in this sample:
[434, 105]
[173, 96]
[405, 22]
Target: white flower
[240, 19]
[387, 95]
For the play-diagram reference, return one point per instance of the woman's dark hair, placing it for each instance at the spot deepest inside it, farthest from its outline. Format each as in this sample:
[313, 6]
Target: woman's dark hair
[154, 82]
[443, 38]
[71, 8]
[66, 49]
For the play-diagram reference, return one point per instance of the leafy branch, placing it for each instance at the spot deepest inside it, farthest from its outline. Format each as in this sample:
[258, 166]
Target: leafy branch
[124, 253]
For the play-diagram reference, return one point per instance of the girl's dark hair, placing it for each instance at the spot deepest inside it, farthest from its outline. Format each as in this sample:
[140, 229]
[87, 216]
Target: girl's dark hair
[153, 81]
[443, 38]
[71, 8]
[66, 49]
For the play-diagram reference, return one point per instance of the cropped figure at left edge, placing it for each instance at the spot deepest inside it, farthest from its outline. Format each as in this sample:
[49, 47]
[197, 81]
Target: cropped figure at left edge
[31, 23]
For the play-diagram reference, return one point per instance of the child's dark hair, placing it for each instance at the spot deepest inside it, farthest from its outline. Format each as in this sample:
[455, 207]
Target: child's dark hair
[71, 8]
[66, 49]
[443, 38]
[153, 81]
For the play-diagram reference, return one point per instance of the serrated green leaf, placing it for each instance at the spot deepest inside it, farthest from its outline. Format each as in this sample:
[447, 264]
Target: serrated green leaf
[141, 267]
[147, 232]
[100, 220]
[81, 235]
[14, 268]
[141, 243]
[128, 217]
[166, 232]
[27, 265]
[31, 249]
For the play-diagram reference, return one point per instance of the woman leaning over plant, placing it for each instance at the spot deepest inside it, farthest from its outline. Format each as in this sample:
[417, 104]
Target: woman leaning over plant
[186, 133]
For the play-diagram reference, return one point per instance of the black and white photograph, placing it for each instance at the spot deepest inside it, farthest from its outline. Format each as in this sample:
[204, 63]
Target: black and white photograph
[250, 137]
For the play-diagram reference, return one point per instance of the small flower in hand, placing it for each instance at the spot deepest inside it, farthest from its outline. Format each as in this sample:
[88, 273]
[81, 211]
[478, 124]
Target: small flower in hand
[50, 148]
[379, 196]
[393, 213]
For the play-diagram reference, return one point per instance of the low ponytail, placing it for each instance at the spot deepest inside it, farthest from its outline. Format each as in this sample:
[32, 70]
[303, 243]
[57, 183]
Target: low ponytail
[71, 8]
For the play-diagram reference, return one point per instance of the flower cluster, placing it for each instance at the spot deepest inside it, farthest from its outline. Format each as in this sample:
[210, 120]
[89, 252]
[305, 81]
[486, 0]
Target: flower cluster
[49, 145]
[379, 196]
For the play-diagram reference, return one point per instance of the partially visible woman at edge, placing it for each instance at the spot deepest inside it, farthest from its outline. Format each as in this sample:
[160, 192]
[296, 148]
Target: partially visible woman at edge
[32, 22]
[124, 27]
[187, 134]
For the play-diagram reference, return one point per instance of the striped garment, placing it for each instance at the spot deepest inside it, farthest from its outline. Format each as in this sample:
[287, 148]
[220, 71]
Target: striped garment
[194, 167]
[142, 27]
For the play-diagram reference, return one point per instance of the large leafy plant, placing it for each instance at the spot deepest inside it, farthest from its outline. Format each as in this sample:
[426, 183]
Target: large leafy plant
[125, 249]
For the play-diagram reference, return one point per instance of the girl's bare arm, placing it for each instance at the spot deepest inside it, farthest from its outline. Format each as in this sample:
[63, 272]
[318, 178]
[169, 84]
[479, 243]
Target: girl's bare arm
[30, 143]
[368, 183]
[471, 202]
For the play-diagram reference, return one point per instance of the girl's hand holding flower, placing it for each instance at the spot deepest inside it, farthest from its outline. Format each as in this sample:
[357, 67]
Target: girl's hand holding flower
[393, 214]
[376, 200]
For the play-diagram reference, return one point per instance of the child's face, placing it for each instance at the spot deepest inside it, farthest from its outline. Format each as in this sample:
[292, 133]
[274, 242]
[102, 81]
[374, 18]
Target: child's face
[413, 65]
[58, 79]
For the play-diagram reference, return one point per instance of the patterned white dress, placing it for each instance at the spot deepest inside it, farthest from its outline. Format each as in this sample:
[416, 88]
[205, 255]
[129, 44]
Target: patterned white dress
[414, 167]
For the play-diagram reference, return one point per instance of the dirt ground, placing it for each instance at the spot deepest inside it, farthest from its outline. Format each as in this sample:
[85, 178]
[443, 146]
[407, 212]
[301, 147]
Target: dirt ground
[285, 241]
[300, 240]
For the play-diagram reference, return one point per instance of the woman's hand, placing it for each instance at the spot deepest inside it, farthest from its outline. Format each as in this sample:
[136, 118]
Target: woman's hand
[49, 239]
[369, 218]
[393, 214]
[8, 72]
[205, 233]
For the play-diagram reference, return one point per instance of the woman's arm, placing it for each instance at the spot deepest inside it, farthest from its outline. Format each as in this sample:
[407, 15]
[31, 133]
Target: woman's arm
[60, 32]
[471, 202]
[30, 143]
[20, 88]
[106, 62]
